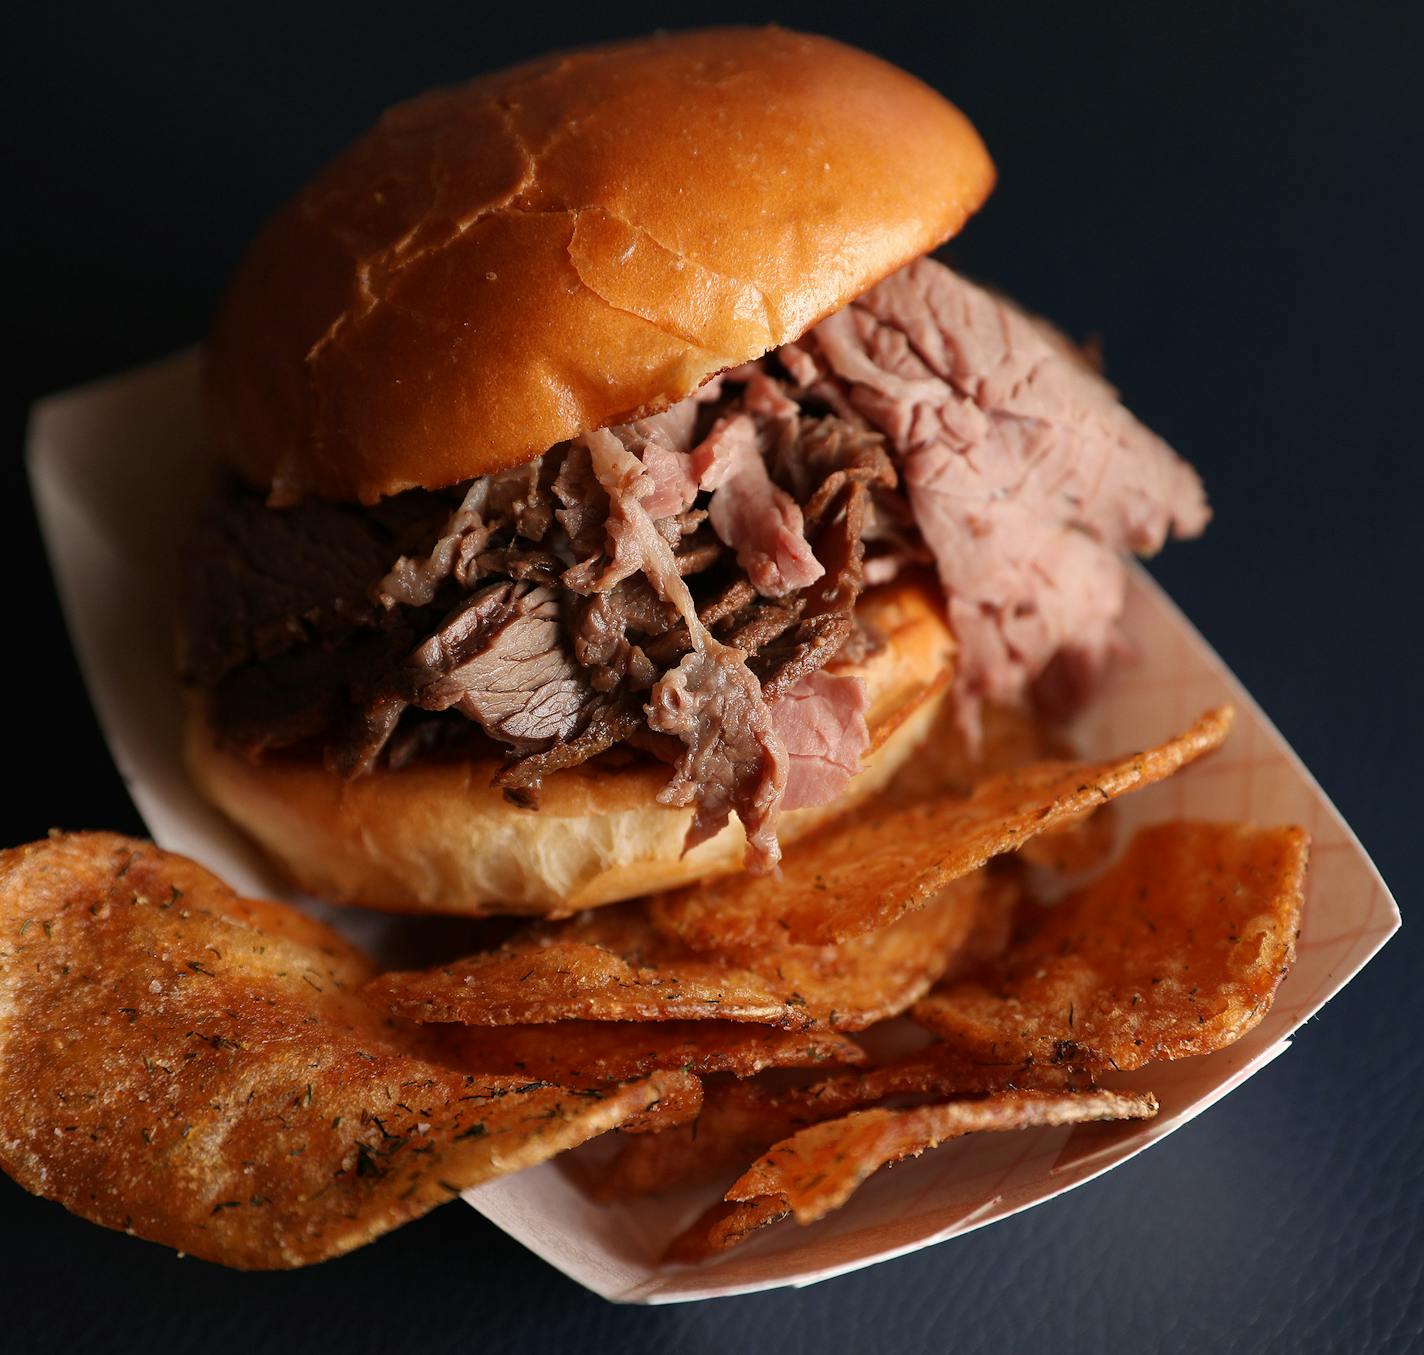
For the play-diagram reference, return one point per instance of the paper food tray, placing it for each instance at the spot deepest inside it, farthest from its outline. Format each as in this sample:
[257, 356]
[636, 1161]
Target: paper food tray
[115, 469]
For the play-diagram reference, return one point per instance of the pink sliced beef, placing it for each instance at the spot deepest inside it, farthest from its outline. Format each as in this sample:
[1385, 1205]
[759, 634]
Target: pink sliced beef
[1026, 475]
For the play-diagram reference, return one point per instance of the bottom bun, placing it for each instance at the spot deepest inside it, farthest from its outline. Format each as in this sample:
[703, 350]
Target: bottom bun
[436, 837]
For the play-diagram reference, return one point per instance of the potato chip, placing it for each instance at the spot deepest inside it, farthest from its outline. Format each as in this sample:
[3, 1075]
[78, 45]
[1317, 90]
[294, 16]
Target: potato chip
[994, 921]
[612, 964]
[679, 1104]
[741, 1119]
[589, 1053]
[818, 1169]
[862, 873]
[1177, 950]
[1076, 846]
[628, 974]
[194, 1068]
[727, 1224]
[1010, 737]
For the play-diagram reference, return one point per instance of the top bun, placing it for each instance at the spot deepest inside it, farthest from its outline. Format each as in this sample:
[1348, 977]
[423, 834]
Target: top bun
[568, 244]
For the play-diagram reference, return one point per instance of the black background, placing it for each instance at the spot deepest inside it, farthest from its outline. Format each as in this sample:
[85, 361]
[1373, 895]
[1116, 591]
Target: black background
[1233, 195]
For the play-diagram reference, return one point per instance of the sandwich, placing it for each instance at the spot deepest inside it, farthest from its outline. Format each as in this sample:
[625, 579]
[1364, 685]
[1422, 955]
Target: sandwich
[615, 489]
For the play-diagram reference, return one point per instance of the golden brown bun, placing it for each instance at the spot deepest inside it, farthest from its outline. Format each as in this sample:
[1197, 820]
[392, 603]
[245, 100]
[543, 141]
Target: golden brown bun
[436, 837]
[500, 266]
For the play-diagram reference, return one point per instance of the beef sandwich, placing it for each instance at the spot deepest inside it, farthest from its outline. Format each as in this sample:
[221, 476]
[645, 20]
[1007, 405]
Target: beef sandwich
[616, 489]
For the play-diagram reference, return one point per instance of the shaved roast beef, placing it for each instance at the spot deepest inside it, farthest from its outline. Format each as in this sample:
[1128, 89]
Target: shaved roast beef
[679, 585]
[821, 723]
[500, 661]
[733, 757]
[1026, 475]
[757, 518]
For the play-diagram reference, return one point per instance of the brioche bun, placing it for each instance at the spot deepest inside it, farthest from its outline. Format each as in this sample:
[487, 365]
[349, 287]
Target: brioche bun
[435, 836]
[500, 266]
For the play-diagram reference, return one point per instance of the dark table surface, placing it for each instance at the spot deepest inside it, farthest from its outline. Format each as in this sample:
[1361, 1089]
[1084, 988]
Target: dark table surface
[1232, 196]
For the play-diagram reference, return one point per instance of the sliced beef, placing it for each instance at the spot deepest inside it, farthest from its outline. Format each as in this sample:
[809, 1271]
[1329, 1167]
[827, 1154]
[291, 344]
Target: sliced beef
[609, 630]
[698, 551]
[606, 722]
[821, 722]
[1025, 474]
[815, 458]
[500, 660]
[583, 505]
[514, 504]
[760, 624]
[413, 580]
[515, 562]
[674, 480]
[303, 693]
[756, 518]
[735, 594]
[733, 758]
[811, 645]
[365, 732]
[263, 581]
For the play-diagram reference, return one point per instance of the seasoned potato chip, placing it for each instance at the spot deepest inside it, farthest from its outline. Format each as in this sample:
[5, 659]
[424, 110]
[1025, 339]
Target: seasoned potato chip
[194, 1068]
[740, 1119]
[1177, 950]
[1076, 846]
[1010, 737]
[818, 1169]
[680, 1104]
[589, 1053]
[854, 877]
[627, 974]
[727, 1224]
[612, 964]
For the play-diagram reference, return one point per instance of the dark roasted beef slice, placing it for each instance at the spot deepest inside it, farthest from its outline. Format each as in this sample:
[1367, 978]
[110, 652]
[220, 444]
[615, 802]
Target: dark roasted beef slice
[607, 721]
[493, 510]
[732, 758]
[799, 652]
[414, 579]
[260, 581]
[827, 609]
[698, 551]
[814, 458]
[303, 693]
[518, 562]
[582, 503]
[500, 660]
[609, 630]
[760, 624]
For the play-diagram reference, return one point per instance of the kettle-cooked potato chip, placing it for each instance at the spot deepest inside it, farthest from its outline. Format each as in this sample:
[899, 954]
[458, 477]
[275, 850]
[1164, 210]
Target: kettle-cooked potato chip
[727, 1224]
[1010, 737]
[818, 1169]
[1177, 950]
[591, 1053]
[680, 1104]
[612, 964]
[863, 872]
[195, 1068]
[741, 1119]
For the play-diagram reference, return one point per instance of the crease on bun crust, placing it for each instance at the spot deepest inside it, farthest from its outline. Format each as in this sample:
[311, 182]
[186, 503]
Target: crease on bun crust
[502, 265]
[436, 837]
